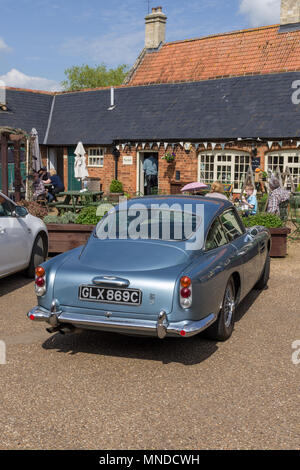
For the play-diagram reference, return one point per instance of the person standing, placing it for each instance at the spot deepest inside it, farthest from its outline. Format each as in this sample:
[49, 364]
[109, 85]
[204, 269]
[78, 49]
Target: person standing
[277, 196]
[151, 172]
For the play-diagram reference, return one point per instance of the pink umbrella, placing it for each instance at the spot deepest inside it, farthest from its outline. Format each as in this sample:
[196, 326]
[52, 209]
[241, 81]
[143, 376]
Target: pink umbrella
[194, 187]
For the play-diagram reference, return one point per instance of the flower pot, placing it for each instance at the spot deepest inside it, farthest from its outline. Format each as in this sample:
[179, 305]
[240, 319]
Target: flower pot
[65, 237]
[279, 242]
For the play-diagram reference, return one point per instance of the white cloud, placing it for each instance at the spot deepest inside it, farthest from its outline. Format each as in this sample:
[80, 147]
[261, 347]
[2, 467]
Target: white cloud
[261, 12]
[3, 46]
[15, 78]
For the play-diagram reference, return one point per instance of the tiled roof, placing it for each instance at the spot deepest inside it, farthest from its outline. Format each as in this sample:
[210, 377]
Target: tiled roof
[248, 52]
[254, 106]
[27, 109]
[207, 110]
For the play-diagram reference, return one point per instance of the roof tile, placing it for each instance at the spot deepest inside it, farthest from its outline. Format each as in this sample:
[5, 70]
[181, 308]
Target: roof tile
[255, 51]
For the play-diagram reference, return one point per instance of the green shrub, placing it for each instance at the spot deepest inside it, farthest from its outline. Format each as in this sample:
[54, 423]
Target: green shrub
[66, 218]
[267, 220]
[298, 189]
[116, 186]
[87, 216]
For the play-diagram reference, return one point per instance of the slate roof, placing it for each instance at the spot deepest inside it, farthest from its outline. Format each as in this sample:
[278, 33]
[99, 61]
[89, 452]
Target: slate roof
[269, 49]
[256, 106]
[253, 106]
[27, 109]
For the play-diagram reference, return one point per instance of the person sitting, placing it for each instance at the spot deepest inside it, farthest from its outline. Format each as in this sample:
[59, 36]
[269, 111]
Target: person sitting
[250, 201]
[39, 190]
[217, 190]
[43, 174]
[57, 185]
[277, 196]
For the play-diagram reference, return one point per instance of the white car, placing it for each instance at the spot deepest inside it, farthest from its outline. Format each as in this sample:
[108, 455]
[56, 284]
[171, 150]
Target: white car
[23, 239]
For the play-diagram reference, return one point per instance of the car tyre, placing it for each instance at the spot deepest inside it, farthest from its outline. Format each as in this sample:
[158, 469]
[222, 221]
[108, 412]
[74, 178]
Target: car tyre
[222, 328]
[263, 280]
[37, 256]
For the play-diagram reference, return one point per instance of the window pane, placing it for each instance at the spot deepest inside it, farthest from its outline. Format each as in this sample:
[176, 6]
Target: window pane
[216, 236]
[231, 225]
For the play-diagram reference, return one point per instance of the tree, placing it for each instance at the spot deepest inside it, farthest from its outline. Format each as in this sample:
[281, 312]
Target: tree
[79, 77]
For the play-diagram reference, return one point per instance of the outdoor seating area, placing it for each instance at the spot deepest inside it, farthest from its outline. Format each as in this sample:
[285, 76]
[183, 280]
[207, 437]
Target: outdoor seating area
[76, 200]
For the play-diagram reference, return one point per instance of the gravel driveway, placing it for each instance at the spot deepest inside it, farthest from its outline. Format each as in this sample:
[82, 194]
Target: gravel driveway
[103, 391]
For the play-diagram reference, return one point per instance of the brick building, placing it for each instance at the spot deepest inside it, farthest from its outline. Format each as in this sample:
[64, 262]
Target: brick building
[212, 101]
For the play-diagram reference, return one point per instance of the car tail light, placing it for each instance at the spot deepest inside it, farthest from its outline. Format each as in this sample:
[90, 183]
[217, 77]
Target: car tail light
[40, 281]
[185, 293]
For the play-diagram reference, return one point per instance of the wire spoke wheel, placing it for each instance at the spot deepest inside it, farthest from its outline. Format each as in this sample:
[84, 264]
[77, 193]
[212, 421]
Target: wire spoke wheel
[229, 306]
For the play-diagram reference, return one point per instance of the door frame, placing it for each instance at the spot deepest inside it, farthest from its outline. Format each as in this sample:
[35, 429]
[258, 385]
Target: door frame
[139, 168]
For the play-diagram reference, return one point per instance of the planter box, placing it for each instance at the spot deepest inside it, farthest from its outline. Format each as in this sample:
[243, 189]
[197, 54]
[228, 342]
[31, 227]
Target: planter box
[65, 237]
[279, 242]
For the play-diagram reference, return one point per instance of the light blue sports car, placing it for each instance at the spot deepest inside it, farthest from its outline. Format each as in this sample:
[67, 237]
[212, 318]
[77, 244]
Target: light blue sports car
[159, 266]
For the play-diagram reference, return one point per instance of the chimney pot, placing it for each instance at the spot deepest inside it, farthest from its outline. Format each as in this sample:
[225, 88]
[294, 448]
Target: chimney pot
[290, 12]
[155, 32]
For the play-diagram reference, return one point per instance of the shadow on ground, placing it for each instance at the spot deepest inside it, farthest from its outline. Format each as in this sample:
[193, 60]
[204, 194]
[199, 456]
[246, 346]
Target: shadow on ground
[13, 282]
[185, 351]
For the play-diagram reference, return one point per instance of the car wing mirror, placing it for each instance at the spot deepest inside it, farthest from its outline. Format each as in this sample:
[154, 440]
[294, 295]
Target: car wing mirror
[19, 211]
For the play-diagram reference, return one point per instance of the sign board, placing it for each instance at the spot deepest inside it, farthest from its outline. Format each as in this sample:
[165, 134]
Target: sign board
[255, 163]
[127, 160]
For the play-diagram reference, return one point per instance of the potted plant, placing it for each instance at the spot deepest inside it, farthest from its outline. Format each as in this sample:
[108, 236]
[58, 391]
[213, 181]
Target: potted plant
[169, 157]
[277, 229]
[115, 190]
[70, 230]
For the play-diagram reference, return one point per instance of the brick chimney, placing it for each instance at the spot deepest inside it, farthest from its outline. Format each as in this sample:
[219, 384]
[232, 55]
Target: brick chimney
[155, 28]
[290, 12]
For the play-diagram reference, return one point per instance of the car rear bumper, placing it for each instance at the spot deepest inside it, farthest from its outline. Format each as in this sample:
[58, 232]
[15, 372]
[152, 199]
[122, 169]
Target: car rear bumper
[159, 328]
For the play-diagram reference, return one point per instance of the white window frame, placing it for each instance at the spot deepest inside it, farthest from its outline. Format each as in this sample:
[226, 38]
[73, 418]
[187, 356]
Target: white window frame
[228, 158]
[92, 154]
[285, 154]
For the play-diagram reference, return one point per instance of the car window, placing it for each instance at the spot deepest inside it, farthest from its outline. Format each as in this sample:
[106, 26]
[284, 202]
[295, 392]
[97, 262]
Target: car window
[216, 236]
[5, 207]
[231, 224]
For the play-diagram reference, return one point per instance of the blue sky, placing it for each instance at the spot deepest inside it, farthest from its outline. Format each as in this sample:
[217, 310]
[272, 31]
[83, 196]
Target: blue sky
[39, 39]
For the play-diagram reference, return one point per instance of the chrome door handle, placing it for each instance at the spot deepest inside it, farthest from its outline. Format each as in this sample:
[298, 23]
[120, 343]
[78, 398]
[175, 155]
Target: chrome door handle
[2, 230]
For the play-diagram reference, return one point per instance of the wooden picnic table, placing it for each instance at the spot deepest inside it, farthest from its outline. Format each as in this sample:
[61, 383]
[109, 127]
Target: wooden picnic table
[74, 200]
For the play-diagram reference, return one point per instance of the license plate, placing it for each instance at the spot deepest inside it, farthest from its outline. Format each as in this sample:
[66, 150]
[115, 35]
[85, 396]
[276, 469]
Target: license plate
[110, 295]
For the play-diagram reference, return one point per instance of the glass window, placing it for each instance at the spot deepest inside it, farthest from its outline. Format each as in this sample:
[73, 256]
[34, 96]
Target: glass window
[96, 156]
[144, 224]
[230, 168]
[216, 236]
[6, 207]
[231, 224]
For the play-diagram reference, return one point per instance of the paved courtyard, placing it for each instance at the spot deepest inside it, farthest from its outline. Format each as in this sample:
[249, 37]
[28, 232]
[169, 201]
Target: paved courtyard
[102, 391]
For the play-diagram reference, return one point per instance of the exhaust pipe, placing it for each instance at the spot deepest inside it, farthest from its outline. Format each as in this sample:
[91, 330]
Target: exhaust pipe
[64, 329]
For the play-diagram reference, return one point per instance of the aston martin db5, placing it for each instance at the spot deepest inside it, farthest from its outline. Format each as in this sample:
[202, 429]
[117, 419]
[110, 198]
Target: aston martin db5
[159, 266]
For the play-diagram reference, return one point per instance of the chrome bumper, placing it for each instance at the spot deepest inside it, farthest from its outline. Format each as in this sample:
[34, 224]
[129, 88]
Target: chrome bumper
[159, 328]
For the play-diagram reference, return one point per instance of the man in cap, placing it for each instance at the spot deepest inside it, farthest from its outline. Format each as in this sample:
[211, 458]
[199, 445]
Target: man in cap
[277, 196]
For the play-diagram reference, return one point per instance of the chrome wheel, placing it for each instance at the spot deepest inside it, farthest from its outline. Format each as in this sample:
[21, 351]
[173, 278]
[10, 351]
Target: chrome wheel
[229, 305]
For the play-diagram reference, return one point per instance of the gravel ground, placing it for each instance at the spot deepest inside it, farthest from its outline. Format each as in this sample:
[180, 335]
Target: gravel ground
[103, 391]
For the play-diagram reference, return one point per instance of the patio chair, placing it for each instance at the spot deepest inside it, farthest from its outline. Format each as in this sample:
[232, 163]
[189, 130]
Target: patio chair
[284, 210]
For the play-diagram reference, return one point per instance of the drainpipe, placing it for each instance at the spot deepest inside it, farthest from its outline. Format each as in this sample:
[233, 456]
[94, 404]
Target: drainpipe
[116, 155]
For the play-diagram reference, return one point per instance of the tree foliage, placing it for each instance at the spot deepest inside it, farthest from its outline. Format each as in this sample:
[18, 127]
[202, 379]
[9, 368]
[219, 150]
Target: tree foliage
[84, 76]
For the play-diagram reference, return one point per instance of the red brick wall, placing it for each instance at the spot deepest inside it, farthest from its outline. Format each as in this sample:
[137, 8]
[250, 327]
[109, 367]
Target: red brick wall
[185, 162]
